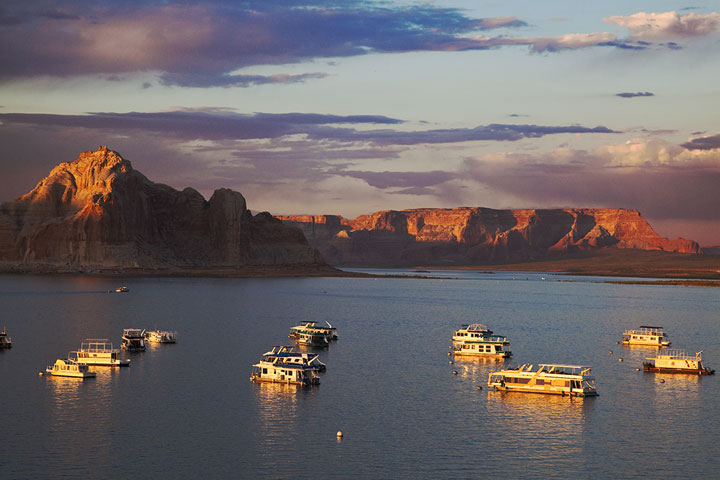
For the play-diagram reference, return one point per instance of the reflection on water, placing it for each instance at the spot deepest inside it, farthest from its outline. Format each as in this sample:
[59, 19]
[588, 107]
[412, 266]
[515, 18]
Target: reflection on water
[558, 421]
[477, 369]
[278, 416]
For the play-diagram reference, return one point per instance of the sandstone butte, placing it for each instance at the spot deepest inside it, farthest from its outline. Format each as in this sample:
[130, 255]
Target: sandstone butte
[475, 236]
[97, 214]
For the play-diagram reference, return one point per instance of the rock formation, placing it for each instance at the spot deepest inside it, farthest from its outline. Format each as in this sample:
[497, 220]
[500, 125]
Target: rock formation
[471, 236]
[96, 213]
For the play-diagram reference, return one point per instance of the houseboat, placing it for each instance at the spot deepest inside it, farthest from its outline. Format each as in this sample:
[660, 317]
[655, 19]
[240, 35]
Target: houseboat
[557, 379]
[313, 327]
[69, 368]
[646, 335]
[265, 371]
[161, 336]
[286, 355]
[476, 339]
[677, 361]
[99, 351]
[133, 339]
[5, 341]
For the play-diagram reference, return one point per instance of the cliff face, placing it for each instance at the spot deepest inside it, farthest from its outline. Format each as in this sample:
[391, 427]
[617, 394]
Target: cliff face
[466, 236]
[96, 212]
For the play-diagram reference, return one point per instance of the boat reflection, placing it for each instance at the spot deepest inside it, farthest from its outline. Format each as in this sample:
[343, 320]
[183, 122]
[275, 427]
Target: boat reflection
[477, 369]
[279, 414]
[525, 417]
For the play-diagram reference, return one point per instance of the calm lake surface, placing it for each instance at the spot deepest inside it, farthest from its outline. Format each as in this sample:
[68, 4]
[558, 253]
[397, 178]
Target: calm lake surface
[189, 410]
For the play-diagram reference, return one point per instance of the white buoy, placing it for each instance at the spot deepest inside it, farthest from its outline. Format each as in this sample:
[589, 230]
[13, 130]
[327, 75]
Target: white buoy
[610, 352]
[41, 373]
[479, 388]
[619, 359]
[454, 372]
[339, 434]
[450, 362]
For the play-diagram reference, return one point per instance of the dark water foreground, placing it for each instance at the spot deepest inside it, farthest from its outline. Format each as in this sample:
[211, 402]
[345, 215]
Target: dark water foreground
[189, 411]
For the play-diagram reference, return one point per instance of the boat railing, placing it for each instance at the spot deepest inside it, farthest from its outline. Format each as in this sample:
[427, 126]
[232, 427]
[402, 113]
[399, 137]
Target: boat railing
[646, 331]
[678, 354]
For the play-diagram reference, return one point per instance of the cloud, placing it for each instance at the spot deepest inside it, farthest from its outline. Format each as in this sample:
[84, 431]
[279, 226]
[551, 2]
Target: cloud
[410, 181]
[703, 143]
[201, 43]
[241, 80]
[662, 180]
[635, 94]
[217, 125]
[667, 25]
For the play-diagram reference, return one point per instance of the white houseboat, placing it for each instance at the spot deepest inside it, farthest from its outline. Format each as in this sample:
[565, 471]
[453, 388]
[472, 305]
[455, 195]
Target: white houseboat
[161, 336]
[69, 368]
[133, 339]
[677, 361]
[328, 331]
[99, 351]
[646, 335]
[288, 356]
[476, 339]
[557, 379]
[5, 341]
[265, 371]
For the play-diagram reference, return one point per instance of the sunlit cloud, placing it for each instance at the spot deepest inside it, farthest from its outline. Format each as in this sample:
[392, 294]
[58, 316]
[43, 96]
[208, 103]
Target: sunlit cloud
[667, 25]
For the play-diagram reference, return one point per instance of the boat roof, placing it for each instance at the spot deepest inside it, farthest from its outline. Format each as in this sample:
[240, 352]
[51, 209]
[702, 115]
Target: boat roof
[475, 327]
[650, 326]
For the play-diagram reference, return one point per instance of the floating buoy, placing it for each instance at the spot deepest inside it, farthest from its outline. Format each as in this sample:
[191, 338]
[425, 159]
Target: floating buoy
[454, 372]
[339, 434]
[617, 343]
[450, 362]
[449, 353]
[41, 373]
[619, 359]
[637, 369]
[479, 388]
[610, 352]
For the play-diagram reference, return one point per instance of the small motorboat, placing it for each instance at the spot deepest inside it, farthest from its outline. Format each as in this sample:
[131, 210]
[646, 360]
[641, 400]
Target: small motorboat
[5, 341]
[69, 368]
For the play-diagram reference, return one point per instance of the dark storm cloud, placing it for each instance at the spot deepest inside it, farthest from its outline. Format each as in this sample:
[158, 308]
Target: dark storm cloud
[635, 94]
[201, 43]
[222, 125]
[703, 143]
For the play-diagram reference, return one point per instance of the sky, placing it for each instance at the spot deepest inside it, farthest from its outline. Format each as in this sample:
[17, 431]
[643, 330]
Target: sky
[351, 107]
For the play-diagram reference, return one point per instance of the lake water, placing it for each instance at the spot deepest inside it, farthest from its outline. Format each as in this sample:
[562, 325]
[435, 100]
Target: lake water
[189, 410]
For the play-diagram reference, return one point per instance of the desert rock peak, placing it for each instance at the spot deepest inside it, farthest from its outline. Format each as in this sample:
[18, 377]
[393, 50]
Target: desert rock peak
[97, 212]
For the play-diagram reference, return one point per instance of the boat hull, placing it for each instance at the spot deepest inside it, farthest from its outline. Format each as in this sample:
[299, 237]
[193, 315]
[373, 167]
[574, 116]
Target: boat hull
[257, 378]
[70, 374]
[547, 391]
[689, 371]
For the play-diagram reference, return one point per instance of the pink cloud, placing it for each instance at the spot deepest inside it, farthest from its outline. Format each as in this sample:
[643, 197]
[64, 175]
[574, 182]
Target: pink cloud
[667, 25]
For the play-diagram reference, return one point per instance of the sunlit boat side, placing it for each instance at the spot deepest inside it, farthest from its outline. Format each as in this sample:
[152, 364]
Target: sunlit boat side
[677, 361]
[286, 355]
[646, 335]
[557, 379]
[265, 371]
[99, 351]
[329, 331]
[69, 368]
[5, 341]
[477, 340]
[133, 339]
[161, 336]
